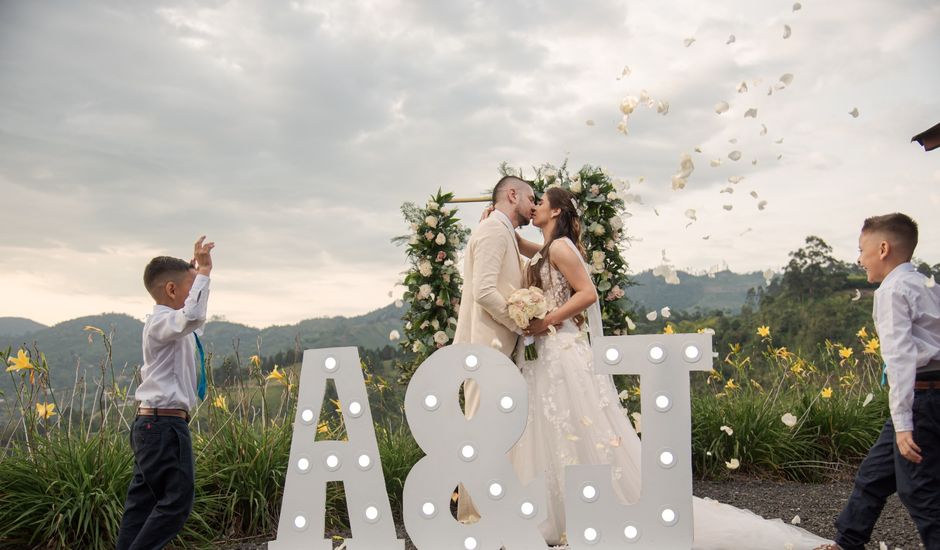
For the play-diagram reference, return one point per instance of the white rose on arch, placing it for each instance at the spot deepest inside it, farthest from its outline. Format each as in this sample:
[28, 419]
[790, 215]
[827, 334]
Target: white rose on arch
[424, 291]
[425, 268]
[441, 239]
[441, 338]
[431, 221]
[616, 223]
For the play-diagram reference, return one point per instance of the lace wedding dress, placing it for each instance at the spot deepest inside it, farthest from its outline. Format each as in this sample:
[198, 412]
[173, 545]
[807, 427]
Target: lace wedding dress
[575, 417]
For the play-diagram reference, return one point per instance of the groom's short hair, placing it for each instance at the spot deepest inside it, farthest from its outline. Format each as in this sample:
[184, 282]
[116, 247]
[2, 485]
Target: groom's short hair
[508, 182]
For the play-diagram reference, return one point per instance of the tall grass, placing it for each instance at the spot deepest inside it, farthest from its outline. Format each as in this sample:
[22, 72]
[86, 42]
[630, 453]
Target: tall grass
[64, 472]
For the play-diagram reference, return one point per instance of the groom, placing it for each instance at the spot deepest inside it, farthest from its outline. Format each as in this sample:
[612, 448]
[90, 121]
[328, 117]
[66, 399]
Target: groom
[492, 272]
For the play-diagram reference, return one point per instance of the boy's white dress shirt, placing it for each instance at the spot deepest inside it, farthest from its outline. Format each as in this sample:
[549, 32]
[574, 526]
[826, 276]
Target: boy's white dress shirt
[907, 318]
[168, 376]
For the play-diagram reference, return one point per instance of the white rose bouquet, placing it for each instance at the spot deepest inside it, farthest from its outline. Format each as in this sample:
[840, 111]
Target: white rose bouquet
[524, 305]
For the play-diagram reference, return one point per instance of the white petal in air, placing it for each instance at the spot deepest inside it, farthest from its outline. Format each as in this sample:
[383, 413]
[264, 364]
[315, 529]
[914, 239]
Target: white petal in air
[727, 206]
[651, 316]
[626, 72]
[662, 107]
[630, 324]
[589, 122]
[688, 42]
[779, 157]
[763, 130]
[706, 237]
[690, 213]
[721, 107]
[735, 155]
[746, 231]
[930, 282]
[854, 112]
[857, 296]
[779, 141]
[698, 149]
[714, 163]
[733, 140]
[665, 312]
[628, 104]
[394, 336]
[731, 40]
[786, 32]
[754, 162]
[622, 126]
[797, 6]
[752, 113]
[742, 87]
[728, 190]
[786, 79]
[754, 194]
[735, 179]
[678, 182]
[762, 205]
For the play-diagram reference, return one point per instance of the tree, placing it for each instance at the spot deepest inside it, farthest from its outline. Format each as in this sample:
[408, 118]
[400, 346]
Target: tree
[813, 272]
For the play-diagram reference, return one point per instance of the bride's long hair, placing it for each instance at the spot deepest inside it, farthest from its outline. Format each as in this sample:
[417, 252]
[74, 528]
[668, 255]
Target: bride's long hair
[567, 224]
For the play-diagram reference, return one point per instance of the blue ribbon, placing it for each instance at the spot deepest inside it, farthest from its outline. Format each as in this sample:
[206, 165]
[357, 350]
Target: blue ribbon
[201, 388]
[884, 374]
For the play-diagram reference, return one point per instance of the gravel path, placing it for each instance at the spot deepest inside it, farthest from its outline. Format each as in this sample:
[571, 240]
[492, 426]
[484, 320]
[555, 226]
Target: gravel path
[817, 504]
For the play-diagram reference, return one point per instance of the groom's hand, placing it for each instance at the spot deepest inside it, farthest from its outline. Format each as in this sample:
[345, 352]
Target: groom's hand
[908, 448]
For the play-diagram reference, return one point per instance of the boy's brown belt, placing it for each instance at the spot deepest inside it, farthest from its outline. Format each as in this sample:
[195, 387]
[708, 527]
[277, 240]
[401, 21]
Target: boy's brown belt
[178, 413]
[927, 385]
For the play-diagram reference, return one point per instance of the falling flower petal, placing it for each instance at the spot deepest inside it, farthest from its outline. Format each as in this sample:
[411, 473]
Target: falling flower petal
[662, 107]
[496, 344]
[786, 79]
[721, 107]
[622, 127]
[665, 312]
[688, 42]
[734, 155]
[868, 399]
[394, 336]
[754, 194]
[858, 295]
[854, 112]
[780, 156]
[797, 6]
[714, 163]
[656, 211]
[727, 190]
[698, 149]
[630, 324]
[763, 130]
[930, 282]
[727, 206]
[651, 316]
[628, 105]
[779, 141]
[734, 464]
[690, 213]
[770, 90]
[742, 87]
[788, 420]
[752, 113]
[754, 162]
[733, 140]
[762, 205]
[746, 231]
[786, 32]
[589, 122]
[706, 237]
[735, 179]
[626, 72]
[731, 40]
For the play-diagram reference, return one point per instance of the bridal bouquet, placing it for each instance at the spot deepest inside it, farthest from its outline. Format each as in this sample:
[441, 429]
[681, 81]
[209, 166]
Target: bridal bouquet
[524, 305]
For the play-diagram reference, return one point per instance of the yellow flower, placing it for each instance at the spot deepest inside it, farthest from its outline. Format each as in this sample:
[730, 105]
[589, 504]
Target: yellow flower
[21, 362]
[220, 403]
[730, 385]
[862, 333]
[783, 352]
[323, 428]
[763, 331]
[826, 392]
[669, 330]
[276, 375]
[45, 410]
[845, 353]
[256, 361]
[757, 385]
[872, 346]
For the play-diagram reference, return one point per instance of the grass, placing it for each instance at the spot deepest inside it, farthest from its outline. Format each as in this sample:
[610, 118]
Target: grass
[63, 475]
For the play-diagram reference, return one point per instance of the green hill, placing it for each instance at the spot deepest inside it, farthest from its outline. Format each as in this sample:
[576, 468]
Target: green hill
[68, 350]
[18, 326]
[726, 291]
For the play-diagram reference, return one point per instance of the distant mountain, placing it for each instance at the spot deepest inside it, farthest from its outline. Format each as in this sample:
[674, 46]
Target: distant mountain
[68, 350]
[16, 326]
[726, 291]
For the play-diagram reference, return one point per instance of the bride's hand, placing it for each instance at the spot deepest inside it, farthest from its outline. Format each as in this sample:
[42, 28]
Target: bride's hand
[539, 326]
[486, 212]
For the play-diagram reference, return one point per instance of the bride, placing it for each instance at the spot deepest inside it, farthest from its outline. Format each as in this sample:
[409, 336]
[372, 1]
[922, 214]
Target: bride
[575, 415]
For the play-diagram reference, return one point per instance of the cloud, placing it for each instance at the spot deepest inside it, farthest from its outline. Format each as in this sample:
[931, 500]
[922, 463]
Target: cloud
[292, 133]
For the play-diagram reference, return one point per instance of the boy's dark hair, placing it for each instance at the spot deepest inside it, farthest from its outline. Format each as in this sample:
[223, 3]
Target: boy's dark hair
[900, 227]
[504, 182]
[162, 268]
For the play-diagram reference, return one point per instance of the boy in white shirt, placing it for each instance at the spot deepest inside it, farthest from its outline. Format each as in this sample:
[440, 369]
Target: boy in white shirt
[906, 457]
[160, 495]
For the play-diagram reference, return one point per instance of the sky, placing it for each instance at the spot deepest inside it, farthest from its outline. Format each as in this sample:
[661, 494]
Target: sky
[291, 132]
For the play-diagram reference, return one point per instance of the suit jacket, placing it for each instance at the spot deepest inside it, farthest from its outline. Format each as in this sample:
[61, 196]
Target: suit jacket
[492, 272]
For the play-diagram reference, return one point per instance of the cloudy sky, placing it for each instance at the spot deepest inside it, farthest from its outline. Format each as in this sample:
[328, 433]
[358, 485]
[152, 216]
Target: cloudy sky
[291, 132]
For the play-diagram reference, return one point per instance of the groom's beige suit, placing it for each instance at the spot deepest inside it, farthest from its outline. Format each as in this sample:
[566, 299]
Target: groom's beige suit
[492, 272]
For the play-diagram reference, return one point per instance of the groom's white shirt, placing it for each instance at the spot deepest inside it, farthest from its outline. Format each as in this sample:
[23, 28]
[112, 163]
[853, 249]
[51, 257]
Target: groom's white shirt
[492, 272]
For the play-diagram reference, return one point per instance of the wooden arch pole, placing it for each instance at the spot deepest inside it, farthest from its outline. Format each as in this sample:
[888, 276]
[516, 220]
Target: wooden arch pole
[469, 199]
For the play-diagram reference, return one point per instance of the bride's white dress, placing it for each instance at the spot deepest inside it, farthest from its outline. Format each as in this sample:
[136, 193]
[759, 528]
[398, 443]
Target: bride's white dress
[575, 417]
